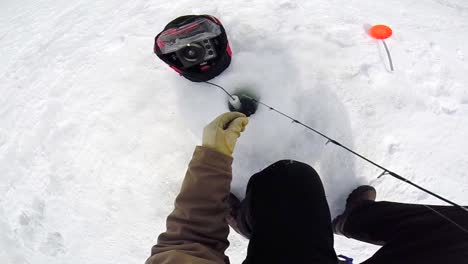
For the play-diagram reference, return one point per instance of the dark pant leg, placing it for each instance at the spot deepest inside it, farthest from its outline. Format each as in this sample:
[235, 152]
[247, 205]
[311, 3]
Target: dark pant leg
[410, 233]
[289, 216]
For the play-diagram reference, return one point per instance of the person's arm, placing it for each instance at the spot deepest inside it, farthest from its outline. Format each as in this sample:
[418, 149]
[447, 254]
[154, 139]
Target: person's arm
[197, 230]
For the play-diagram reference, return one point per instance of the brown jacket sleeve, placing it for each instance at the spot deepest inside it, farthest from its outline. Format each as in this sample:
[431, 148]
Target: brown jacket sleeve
[196, 229]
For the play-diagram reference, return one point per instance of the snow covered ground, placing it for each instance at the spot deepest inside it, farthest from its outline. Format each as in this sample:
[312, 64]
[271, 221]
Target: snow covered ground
[96, 133]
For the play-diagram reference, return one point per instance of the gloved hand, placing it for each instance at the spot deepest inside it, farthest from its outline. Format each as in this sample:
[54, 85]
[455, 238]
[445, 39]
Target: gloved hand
[222, 134]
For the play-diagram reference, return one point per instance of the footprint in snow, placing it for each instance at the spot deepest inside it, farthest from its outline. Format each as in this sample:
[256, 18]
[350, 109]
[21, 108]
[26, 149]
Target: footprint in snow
[288, 5]
[392, 144]
[53, 245]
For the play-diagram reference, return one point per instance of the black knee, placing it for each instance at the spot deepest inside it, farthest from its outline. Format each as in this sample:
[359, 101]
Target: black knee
[289, 175]
[288, 188]
[293, 170]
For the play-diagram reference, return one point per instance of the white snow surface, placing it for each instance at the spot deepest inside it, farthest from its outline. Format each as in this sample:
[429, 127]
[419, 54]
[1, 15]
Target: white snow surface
[96, 132]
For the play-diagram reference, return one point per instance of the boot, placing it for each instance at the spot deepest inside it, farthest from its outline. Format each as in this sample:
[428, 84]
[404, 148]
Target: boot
[358, 197]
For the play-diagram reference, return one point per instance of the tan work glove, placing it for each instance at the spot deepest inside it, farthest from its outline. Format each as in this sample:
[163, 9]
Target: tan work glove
[223, 132]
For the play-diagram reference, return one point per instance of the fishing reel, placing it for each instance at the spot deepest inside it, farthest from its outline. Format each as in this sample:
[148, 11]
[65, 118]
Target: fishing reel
[243, 102]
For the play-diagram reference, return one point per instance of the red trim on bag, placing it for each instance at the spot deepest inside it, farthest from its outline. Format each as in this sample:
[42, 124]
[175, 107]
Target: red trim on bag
[160, 44]
[205, 67]
[174, 31]
[170, 31]
[228, 50]
[217, 20]
[176, 69]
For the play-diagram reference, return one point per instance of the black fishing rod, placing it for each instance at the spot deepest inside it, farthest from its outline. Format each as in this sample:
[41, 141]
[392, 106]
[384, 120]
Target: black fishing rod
[384, 169]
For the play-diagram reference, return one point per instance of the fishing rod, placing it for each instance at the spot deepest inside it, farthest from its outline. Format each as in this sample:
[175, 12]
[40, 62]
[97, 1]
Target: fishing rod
[335, 142]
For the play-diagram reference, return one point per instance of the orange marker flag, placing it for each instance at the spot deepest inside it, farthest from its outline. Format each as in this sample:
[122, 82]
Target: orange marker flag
[382, 32]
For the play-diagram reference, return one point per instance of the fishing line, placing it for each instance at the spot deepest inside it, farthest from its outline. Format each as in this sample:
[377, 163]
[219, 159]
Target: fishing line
[222, 88]
[385, 170]
[446, 218]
